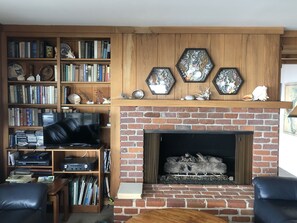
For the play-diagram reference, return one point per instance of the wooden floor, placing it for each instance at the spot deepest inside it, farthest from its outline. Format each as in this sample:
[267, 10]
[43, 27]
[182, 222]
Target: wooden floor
[175, 215]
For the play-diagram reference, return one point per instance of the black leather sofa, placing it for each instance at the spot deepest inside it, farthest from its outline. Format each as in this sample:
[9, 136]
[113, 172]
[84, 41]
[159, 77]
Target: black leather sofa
[275, 199]
[23, 203]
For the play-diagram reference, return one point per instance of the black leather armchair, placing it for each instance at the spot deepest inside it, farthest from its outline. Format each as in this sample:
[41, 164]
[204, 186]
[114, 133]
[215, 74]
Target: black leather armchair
[24, 203]
[275, 199]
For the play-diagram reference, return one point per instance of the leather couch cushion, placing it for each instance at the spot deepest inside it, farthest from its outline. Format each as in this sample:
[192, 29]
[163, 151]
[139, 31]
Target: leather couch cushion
[276, 211]
[22, 215]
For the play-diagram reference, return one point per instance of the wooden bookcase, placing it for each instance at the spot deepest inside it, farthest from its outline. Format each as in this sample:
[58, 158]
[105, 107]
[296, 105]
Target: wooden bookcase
[87, 74]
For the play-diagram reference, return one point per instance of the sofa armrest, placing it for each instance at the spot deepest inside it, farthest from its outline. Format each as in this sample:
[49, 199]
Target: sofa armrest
[283, 188]
[20, 196]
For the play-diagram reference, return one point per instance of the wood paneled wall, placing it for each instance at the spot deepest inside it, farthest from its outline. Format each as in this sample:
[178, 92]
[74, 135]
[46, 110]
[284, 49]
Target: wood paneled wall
[1, 111]
[256, 56]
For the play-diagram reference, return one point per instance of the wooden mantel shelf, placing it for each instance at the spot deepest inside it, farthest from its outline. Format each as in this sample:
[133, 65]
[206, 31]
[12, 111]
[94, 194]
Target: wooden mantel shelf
[210, 103]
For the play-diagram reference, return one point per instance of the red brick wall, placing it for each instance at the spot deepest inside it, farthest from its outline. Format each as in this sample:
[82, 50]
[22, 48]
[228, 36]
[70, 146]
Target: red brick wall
[263, 122]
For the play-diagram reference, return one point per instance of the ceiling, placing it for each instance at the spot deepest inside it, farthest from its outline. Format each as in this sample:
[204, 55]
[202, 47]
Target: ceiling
[276, 13]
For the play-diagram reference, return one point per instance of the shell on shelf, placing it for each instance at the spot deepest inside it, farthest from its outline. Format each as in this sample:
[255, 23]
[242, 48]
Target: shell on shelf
[74, 98]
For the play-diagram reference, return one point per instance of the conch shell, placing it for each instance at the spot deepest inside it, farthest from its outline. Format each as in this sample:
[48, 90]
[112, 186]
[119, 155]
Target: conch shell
[260, 93]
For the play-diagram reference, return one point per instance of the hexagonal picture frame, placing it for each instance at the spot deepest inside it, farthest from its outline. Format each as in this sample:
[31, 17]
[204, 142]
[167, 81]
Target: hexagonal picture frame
[160, 80]
[228, 81]
[195, 65]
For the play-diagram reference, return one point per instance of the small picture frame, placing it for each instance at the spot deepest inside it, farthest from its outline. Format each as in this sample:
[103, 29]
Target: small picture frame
[228, 81]
[160, 80]
[49, 51]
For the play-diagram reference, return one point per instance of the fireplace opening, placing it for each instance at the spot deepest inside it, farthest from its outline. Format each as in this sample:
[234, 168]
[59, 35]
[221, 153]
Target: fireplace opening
[189, 157]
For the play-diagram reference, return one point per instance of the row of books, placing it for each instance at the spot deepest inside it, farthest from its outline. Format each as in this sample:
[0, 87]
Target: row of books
[85, 72]
[106, 166]
[97, 49]
[84, 190]
[32, 94]
[30, 138]
[30, 49]
[26, 116]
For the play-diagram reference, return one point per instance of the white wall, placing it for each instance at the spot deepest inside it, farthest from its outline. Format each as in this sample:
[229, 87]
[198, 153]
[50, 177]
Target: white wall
[287, 143]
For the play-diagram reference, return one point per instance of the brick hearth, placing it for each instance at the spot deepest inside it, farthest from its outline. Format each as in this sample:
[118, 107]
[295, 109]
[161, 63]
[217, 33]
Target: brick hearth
[233, 203]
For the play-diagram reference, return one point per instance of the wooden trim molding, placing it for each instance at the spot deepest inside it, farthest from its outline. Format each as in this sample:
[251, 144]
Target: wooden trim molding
[141, 30]
[207, 104]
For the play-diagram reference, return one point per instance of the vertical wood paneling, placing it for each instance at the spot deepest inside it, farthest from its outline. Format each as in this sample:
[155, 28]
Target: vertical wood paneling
[217, 52]
[272, 66]
[116, 89]
[255, 56]
[129, 61]
[181, 87]
[232, 58]
[147, 58]
[166, 52]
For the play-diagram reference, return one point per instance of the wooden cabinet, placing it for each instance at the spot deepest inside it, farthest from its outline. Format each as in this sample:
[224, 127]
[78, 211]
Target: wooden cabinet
[40, 70]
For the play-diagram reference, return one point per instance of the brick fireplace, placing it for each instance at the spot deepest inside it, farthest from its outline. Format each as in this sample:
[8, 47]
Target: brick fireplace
[233, 203]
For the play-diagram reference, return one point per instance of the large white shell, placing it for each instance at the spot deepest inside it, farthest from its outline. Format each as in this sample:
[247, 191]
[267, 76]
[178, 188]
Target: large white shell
[260, 93]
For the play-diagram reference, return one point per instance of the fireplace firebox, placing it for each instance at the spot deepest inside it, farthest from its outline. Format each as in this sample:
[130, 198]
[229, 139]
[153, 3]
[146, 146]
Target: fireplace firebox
[197, 157]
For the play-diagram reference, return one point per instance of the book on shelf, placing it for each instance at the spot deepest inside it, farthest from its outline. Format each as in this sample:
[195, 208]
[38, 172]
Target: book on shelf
[130, 190]
[19, 179]
[94, 49]
[107, 188]
[84, 190]
[12, 157]
[106, 155]
[29, 49]
[32, 94]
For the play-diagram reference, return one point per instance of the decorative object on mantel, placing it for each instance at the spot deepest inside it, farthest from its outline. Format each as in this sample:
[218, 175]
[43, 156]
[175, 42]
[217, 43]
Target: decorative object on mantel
[228, 81]
[160, 80]
[74, 98]
[260, 93]
[203, 94]
[194, 65]
[124, 96]
[138, 94]
[188, 98]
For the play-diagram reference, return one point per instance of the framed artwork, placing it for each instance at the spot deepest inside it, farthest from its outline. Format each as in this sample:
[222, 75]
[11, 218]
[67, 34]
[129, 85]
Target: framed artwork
[228, 81]
[160, 80]
[290, 124]
[194, 65]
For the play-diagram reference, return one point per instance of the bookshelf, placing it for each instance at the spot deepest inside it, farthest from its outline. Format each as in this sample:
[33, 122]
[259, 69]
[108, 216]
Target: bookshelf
[40, 70]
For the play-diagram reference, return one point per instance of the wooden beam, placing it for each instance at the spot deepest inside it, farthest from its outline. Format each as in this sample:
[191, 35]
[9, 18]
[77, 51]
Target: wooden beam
[210, 103]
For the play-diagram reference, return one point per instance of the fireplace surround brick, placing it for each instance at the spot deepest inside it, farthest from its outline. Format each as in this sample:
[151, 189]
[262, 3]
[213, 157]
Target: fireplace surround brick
[232, 203]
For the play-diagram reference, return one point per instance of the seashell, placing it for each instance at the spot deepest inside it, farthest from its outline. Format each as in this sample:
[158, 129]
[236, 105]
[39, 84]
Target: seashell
[189, 97]
[74, 98]
[260, 93]
[31, 78]
[21, 78]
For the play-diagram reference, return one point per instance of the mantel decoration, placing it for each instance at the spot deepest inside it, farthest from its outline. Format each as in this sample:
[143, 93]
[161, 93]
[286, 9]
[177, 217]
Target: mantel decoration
[194, 65]
[228, 81]
[160, 80]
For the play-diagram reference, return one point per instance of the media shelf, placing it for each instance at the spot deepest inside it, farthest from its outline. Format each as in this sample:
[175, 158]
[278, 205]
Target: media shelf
[54, 58]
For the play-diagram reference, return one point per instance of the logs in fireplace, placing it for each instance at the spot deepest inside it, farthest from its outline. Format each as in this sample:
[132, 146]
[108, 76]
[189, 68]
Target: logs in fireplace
[195, 169]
